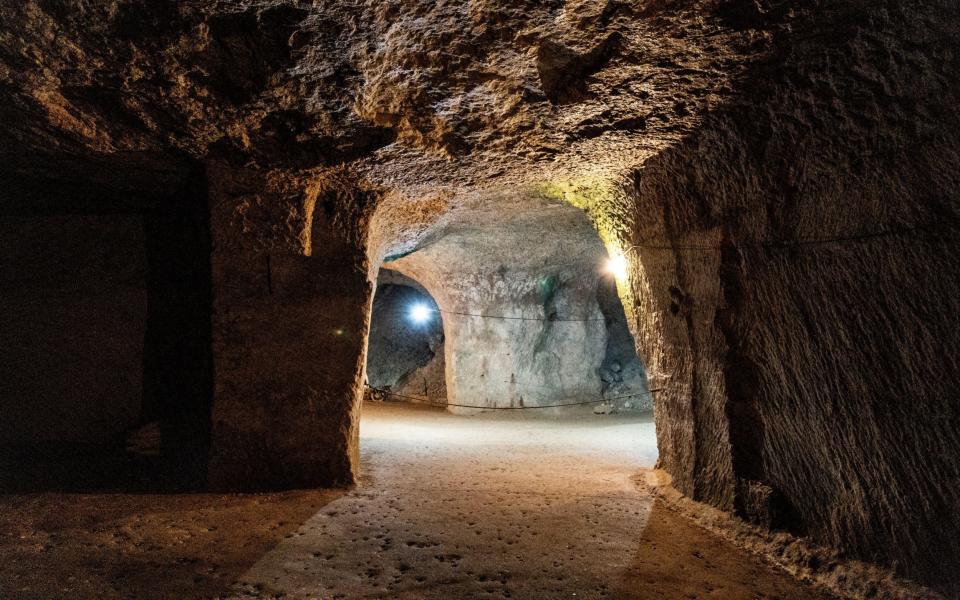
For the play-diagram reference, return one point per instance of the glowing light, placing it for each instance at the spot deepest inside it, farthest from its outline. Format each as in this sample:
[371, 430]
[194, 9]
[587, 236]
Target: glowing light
[420, 313]
[617, 266]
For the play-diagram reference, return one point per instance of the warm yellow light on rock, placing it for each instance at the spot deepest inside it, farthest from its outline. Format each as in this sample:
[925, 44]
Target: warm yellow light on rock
[617, 266]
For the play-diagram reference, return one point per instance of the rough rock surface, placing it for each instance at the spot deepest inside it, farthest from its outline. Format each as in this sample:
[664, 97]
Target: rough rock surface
[623, 376]
[782, 178]
[814, 247]
[518, 284]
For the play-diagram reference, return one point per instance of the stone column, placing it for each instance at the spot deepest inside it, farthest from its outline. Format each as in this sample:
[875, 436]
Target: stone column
[291, 299]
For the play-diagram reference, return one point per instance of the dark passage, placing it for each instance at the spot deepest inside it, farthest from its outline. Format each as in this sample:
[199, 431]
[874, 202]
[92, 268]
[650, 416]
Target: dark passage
[405, 345]
[106, 318]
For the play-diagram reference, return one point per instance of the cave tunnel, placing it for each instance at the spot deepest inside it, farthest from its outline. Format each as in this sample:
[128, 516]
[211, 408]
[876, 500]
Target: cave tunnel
[479, 299]
[405, 358]
[528, 315]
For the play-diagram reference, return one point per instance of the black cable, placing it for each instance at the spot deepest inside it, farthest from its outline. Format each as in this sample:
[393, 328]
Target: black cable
[431, 401]
[506, 317]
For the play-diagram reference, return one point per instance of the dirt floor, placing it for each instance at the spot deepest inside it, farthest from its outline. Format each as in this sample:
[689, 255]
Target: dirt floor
[122, 545]
[504, 505]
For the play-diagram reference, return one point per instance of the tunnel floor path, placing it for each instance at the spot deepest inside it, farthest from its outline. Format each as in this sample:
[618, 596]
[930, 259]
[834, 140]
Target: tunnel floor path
[506, 505]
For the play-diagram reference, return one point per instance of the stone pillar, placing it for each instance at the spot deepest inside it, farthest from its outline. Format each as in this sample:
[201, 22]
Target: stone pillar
[291, 300]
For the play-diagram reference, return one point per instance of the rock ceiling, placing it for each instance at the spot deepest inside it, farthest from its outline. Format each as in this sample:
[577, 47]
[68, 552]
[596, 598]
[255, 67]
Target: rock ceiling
[411, 95]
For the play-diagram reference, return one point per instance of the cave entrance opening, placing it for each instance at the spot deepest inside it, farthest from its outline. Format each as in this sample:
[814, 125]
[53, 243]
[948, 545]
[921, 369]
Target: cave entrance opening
[406, 352]
[522, 384]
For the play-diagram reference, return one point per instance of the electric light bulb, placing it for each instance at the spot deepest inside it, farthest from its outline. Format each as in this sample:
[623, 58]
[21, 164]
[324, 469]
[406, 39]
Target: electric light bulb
[420, 313]
[617, 266]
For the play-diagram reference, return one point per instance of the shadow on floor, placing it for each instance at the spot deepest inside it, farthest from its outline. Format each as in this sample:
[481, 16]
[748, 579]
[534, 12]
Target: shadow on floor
[676, 559]
[130, 463]
[98, 521]
[73, 467]
[142, 545]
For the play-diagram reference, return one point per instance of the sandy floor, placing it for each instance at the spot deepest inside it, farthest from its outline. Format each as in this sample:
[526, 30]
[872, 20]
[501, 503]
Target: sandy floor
[505, 505]
[492, 506]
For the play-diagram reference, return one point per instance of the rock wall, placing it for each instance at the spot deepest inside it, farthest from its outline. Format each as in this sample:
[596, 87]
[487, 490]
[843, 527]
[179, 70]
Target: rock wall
[427, 382]
[797, 262]
[516, 282]
[552, 358]
[622, 374]
[73, 312]
[806, 384]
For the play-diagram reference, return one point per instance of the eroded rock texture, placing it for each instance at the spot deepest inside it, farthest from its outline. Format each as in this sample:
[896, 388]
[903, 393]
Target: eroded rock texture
[813, 221]
[782, 179]
[529, 317]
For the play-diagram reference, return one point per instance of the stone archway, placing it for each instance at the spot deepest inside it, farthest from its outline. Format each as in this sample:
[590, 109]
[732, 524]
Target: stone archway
[528, 311]
[405, 346]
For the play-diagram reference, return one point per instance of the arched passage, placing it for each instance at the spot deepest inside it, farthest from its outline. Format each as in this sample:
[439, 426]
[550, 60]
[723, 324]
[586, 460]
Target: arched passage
[405, 358]
[784, 168]
[530, 312]
[547, 413]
